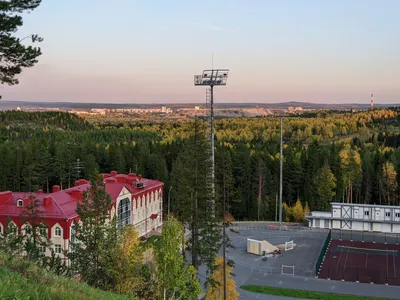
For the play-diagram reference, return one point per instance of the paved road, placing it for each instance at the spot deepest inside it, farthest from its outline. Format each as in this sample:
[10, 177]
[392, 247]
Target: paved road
[322, 285]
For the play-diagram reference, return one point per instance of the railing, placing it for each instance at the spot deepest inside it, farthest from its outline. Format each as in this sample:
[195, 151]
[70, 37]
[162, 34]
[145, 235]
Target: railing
[323, 252]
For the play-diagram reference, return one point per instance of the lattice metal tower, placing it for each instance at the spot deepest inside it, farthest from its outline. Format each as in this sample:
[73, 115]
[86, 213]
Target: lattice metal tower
[211, 78]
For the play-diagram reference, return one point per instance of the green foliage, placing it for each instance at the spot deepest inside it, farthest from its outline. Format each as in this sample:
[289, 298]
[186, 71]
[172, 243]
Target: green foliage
[14, 54]
[175, 280]
[96, 237]
[325, 182]
[20, 279]
[39, 149]
[303, 294]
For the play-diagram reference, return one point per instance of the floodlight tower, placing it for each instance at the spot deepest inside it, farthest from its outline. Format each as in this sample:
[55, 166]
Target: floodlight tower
[211, 78]
[372, 102]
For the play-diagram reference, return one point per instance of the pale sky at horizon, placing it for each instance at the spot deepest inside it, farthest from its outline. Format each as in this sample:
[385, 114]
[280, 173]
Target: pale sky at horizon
[128, 51]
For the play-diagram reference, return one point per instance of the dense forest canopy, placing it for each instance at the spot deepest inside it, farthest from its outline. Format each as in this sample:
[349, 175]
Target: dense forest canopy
[339, 156]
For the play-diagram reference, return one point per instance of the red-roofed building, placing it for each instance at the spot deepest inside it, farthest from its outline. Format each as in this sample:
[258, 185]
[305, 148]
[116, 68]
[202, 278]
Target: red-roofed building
[137, 201]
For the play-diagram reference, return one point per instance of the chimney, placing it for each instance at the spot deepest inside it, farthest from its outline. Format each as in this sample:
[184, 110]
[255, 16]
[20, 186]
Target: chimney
[47, 201]
[76, 194]
[111, 180]
[133, 175]
[113, 173]
[40, 191]
[56, 188]
[121, 179]
[82, 181]
[140, 177]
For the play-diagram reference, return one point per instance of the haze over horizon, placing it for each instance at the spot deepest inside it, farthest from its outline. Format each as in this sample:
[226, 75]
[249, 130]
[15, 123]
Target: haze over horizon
[277, 51]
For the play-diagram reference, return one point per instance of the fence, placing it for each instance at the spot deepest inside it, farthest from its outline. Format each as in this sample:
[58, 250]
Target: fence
[358, 274]
[366, 236]
[323, 252]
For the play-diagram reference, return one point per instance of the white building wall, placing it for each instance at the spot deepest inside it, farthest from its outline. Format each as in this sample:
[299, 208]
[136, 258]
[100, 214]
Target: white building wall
[396, 228]
[357, 225]
[336, 224]
[377, 227]
[386, 227]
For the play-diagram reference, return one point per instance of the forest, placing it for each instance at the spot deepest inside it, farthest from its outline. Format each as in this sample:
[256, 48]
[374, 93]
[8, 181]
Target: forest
[328, 156]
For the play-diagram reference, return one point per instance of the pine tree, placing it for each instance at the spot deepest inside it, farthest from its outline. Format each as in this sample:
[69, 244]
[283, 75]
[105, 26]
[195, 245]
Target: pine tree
[325, 183]
[96, 236]
[14, 55]
[37, 237]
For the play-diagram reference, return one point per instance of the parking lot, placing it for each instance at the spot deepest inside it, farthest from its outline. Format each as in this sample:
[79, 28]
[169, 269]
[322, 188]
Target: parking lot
[299, 262]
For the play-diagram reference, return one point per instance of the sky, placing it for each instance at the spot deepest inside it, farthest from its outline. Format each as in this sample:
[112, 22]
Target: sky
[129, 51]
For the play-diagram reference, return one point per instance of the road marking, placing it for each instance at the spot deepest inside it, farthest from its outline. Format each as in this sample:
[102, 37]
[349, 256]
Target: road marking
[340, 256]
[394, 265]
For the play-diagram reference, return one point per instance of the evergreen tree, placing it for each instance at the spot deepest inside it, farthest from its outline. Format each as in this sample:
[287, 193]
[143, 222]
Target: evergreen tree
[325, 183]
[14, 55]
[96, 236]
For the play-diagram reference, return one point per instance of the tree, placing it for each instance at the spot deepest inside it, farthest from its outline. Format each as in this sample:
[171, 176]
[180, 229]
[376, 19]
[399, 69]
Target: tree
[389, 175]
[298, 212]
[286, 212]
[14, 55]
[96, 236]
[306, 209]
[36, 236]
[216, 291]
[325, 183]
[175, 280]
[128, 263]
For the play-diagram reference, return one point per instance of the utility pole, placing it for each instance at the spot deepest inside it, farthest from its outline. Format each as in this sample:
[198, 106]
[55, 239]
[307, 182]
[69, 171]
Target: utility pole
[280, 179]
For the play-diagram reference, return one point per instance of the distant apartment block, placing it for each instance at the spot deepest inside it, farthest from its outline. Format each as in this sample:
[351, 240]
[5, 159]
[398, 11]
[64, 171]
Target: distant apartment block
[136, 200]
[362, 217]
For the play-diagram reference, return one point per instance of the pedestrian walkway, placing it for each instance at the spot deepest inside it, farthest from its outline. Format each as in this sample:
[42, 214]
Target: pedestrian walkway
[323, 285]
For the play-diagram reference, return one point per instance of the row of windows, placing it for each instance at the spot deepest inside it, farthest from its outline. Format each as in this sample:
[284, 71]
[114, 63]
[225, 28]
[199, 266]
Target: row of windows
[57, 249]
[28, 230]
[387, 214]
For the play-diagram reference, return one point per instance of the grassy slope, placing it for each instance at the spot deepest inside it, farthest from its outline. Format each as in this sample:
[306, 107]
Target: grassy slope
[22, 280]
[302, 294]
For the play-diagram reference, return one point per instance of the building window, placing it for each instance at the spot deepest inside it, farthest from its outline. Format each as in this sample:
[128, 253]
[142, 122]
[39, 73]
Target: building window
[11, 228]
[20, 203]
[73, 234]
[58, 249]
[42, 231]
[387, 214]
[28, 229]
[57, 231]
[366, 213]
[397, 215]
[124, 212]
[42, 249]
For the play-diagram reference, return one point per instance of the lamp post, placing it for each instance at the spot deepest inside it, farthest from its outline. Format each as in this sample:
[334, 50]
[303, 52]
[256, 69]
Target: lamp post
[169, 199]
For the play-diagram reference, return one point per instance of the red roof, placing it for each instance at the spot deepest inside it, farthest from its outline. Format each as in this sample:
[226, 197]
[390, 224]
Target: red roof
[62, 204]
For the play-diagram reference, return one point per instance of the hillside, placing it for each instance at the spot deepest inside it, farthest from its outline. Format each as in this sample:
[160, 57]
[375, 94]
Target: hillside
[20, 279]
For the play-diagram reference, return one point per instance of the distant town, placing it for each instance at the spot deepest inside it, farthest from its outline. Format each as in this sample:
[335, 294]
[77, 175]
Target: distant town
[182, 111]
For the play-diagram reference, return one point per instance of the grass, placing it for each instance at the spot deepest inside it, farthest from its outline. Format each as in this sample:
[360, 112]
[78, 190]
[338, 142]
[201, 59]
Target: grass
[22, 280]
[303, 294]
